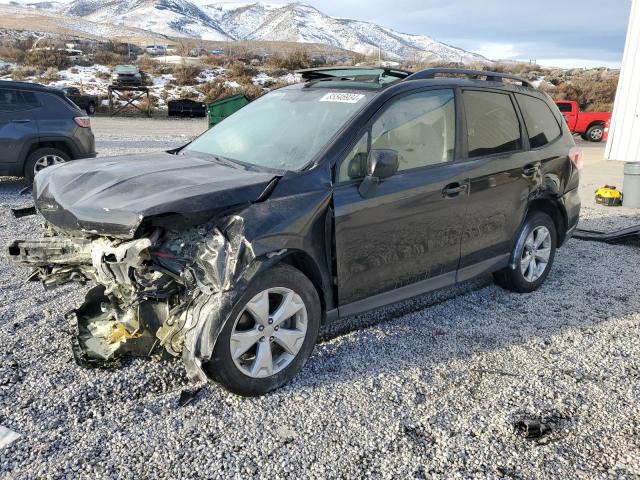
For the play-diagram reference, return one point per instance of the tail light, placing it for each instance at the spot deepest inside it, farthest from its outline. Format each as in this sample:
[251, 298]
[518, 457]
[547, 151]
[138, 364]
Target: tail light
[576, 156]
[83, 122]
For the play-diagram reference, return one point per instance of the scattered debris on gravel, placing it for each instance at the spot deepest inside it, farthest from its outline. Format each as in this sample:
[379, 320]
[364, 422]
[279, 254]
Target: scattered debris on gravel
[446, 385]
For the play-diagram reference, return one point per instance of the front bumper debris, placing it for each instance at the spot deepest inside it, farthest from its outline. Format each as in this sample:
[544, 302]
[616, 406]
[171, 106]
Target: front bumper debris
[159, 293]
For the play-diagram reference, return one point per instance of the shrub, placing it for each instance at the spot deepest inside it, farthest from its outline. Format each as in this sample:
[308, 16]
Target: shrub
[240, 72]
[251, 91]
[51, 74]
[12, 54]
[146, 63]
[21, 73]
[294, 60]
[43, 59]
[214, 61]
[186, 74]
[215, 90]
[111, 59]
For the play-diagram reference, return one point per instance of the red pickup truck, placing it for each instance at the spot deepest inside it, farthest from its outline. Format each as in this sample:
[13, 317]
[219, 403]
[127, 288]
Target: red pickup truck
[591, 125]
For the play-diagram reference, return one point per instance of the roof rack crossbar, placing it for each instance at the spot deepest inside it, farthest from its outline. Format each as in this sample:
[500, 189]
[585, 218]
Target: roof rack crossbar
[490, 76]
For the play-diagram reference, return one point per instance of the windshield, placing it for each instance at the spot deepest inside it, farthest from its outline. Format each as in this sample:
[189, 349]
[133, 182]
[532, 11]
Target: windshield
[283, 130]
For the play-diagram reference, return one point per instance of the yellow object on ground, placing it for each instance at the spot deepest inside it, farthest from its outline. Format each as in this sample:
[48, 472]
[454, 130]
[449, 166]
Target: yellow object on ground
[609, 196]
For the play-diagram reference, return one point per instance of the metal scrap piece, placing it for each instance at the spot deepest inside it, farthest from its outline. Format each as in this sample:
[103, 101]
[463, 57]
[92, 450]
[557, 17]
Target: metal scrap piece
[531, 429]
[24, 212]
[618, 236]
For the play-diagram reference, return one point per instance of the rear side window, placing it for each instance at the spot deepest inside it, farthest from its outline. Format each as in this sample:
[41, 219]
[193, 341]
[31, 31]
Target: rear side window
[16, 100]
[492, 123]
[542, 126]
[564, 107]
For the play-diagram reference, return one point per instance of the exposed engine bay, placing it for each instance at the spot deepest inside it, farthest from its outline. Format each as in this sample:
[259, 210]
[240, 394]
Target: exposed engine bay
[160, 291]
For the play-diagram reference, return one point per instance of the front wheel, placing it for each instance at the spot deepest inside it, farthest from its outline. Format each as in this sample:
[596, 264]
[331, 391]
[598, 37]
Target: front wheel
[269, 335]
[91, 109]
[532, 255]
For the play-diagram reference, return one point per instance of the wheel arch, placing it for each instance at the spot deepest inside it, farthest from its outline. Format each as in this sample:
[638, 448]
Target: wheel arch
[57, 143]
[554, 208]
[309, 267]
[594, 123]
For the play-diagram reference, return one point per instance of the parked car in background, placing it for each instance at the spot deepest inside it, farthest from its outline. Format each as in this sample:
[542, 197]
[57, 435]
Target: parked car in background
[359, 188]
[40, 127]
[88, 103]
[126, 76]
[590, 125]
[186, 108]
[156, 50]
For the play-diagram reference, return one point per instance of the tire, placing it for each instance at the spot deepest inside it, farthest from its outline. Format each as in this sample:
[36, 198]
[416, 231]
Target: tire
[595, 133]
[91, 109]
[251, 335]
[527, 276]
[42, 158]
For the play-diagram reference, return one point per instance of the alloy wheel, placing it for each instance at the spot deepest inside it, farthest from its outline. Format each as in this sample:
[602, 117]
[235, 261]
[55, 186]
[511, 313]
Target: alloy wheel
[536, 254]
[596, 134]
[269, 332]
[47, 161]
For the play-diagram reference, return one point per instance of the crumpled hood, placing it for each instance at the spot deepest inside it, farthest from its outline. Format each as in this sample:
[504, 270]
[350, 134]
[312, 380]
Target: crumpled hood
[111, 196]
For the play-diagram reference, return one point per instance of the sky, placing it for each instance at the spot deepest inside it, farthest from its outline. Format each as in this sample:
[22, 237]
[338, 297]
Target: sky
[560, 33]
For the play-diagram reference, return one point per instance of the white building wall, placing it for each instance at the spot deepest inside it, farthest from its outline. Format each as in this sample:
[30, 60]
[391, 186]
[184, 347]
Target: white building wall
[624, 133]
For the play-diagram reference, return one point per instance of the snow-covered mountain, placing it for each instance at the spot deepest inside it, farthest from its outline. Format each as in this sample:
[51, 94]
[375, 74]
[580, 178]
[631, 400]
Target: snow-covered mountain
[293, 22]
[299, 22]
[169, 17]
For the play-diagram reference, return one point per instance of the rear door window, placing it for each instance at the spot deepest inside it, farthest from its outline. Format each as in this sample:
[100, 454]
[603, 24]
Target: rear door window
[564, 107]
[16, 100]
[542, 126]
[492, 123]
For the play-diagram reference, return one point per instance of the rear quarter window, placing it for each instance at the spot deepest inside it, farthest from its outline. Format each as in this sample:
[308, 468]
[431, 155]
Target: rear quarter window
[58, 103]
[492, 123]
[542, 126]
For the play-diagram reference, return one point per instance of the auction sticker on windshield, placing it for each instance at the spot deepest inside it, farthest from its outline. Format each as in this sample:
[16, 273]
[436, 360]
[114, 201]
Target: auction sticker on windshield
[342, 97]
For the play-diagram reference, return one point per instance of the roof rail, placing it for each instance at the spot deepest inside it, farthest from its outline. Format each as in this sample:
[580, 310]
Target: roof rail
[490, 76]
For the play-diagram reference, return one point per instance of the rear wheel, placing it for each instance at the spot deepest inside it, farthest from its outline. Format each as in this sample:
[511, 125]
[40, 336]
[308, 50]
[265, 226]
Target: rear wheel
[91, 109]
[270, 334]
[595, 133]
[532, 256]
[41, 159]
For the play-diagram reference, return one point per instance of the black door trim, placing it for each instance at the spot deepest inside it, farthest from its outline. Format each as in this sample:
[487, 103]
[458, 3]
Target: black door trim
[420, 288]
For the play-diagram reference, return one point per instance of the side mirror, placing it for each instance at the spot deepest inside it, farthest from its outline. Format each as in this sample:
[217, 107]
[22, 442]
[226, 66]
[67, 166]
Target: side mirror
[381, 164]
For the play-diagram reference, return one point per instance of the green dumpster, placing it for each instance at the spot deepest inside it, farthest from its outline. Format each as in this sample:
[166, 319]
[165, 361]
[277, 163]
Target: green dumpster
[221, 109]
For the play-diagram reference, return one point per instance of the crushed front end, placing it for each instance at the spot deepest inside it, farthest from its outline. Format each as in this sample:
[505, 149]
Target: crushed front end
[156, 292]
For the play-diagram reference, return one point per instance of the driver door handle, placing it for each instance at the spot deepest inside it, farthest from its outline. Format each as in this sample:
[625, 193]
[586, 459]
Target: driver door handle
[23, 120]
[454, 189]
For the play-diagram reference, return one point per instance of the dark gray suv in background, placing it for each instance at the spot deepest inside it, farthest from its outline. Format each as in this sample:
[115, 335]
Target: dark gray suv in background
[40, 127]
[356, 189]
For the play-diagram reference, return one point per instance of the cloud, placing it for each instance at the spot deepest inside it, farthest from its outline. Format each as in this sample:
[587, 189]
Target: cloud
[552, 29]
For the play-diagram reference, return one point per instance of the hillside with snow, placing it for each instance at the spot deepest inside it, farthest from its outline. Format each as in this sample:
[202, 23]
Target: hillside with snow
[294, 22]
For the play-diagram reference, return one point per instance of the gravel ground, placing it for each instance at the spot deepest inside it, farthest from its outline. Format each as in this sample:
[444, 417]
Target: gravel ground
[427, 388]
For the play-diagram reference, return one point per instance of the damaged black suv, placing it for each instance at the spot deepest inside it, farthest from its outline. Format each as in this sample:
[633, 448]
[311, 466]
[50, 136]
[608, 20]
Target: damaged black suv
[355, 189]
